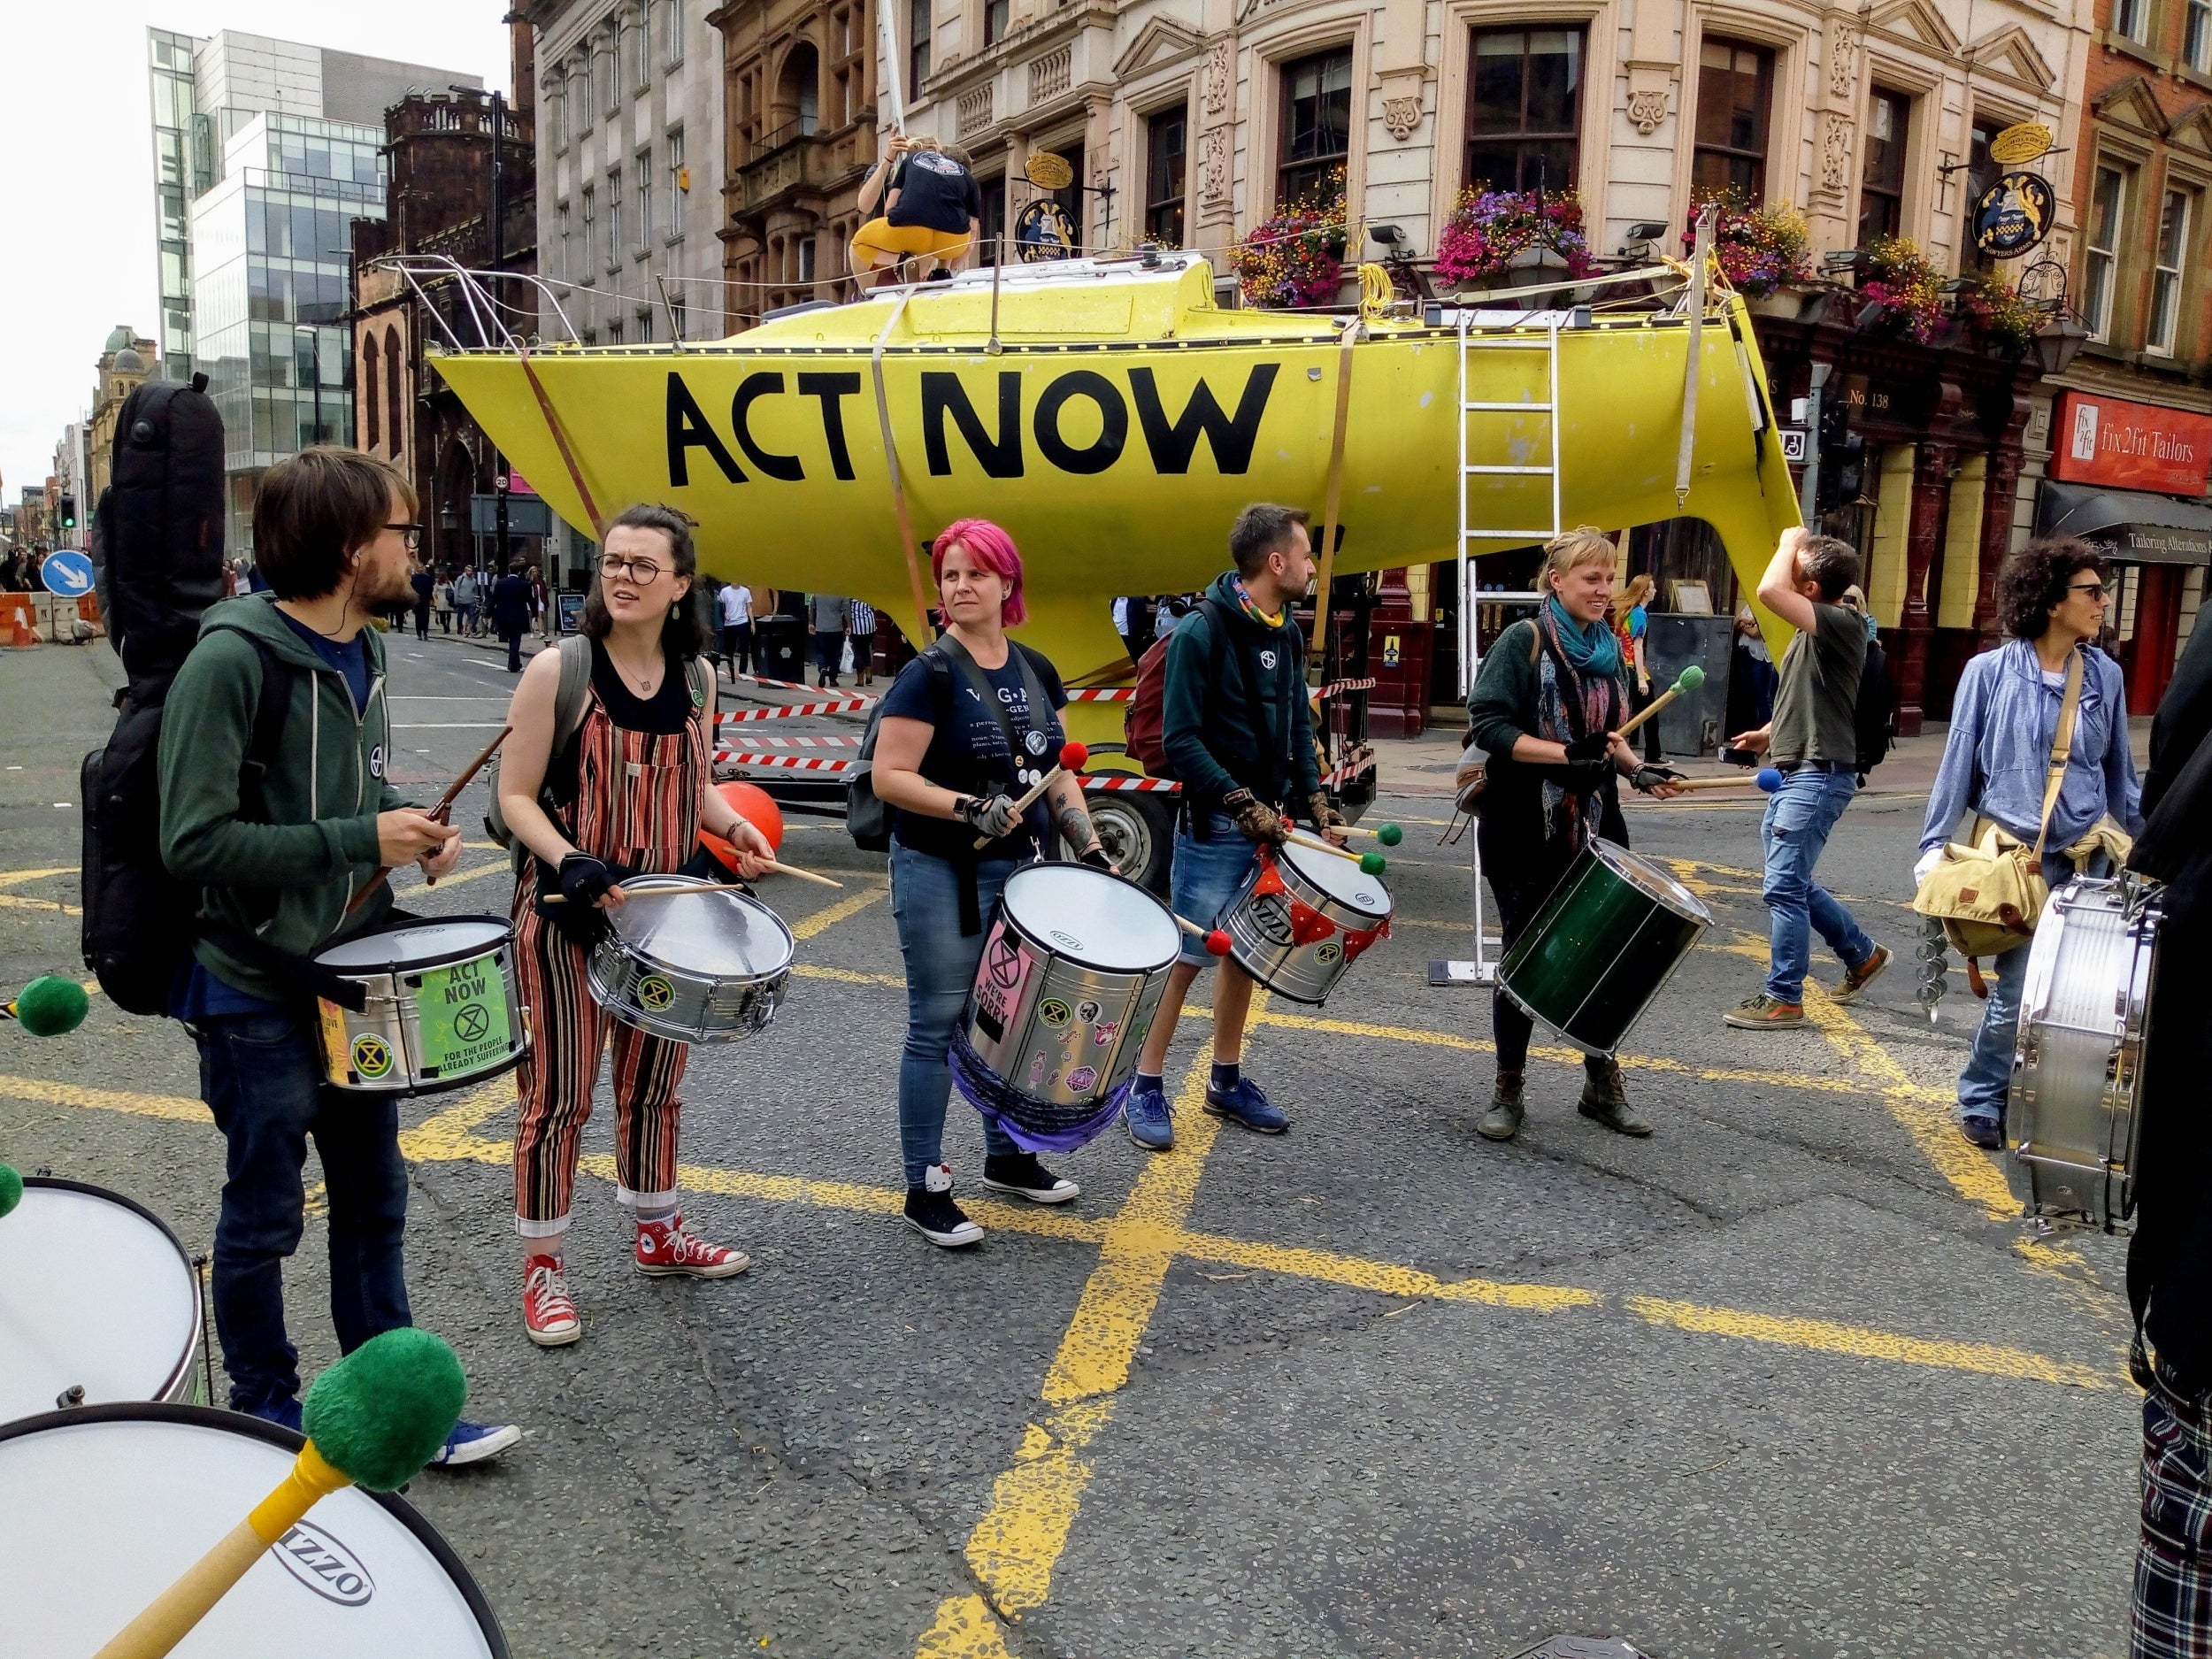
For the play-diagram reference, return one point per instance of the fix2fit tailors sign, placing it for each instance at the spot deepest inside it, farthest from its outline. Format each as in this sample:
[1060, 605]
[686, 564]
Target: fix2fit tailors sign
[2129, 446]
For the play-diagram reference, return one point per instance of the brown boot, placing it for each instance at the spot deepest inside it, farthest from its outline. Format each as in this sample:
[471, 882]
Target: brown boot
[1502, 1121]
[1605, 1099]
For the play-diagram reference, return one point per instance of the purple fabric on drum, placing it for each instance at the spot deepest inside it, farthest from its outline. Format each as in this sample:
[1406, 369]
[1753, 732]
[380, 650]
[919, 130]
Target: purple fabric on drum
[1033, 1124]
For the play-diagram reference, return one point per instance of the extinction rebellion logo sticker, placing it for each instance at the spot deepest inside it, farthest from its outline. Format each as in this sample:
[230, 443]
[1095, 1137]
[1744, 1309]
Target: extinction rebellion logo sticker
[372, 1056]
[325, 1565]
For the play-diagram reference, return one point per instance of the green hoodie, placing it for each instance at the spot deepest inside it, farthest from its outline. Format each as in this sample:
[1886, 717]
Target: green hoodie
[291, 879]
[1248, 726]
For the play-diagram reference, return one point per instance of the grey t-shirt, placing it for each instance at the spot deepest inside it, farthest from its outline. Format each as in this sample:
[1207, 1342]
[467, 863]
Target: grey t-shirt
[831, 613]
[1814, 709]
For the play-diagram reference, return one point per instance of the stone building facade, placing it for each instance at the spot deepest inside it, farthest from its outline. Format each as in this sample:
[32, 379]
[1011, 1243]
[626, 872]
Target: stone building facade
[127, 363]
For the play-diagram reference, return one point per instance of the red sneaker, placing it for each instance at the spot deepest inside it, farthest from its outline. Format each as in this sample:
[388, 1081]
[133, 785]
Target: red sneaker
[668, 1247]
[548, 1316]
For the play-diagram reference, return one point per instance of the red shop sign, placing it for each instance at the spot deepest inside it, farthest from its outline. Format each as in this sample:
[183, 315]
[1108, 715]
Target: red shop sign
[2138, 446]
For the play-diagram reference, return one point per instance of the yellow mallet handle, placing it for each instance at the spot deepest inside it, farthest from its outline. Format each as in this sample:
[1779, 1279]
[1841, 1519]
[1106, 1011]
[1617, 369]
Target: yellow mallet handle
[1307, 838]
[172, 1614]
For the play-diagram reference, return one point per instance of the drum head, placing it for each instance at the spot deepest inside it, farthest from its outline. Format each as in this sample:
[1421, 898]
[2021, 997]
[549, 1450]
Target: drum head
[415, 944]
[1096, 919]
[94, 1291]
[1646, 877]
[1342, 879]
[702, 928]
[108, 1505]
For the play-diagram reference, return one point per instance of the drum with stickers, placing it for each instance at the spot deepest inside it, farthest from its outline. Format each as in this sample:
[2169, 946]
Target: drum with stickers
[1074, 964]
[107, 1504]
[442, 1009]
[692, 961]
[1303, 917]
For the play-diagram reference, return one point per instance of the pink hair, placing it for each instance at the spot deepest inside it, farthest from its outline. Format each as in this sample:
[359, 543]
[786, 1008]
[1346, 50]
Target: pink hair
[993, 549]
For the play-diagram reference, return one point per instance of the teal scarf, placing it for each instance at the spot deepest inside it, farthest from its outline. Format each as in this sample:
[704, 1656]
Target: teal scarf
[1591, 648]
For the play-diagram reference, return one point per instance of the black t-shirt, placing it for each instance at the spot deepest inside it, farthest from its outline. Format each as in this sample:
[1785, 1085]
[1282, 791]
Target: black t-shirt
[663, 714]
[935, 191]
[967, 738]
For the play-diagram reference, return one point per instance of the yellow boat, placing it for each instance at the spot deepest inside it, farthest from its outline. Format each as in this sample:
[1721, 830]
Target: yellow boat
[1114, 419]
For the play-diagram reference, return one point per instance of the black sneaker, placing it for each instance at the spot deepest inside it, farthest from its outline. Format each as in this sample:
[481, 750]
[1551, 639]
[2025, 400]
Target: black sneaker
[1020, 1174]
[931, 1212]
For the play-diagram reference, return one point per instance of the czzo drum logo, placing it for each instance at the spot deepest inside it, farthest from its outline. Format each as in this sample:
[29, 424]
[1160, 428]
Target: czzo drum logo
[1271, 916]
[325, 1565]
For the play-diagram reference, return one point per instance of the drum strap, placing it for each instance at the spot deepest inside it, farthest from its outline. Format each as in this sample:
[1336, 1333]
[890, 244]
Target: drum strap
[304, 971]
[2061, 747]
[967, 671]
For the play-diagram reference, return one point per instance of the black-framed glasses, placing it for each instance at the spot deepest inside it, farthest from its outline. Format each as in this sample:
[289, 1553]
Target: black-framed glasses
[2103, 590]
[411, 534]
[643, 571]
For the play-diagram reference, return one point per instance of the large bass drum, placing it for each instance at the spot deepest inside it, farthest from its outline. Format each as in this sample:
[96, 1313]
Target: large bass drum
[2070, 1123]
[107, 1505]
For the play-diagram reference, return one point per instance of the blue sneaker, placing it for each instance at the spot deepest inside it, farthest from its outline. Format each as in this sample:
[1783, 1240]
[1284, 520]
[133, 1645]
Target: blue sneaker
[284, 1413]
[1988, 1133]
[1242, 1103]
[475, 1443]
[1151, 1126]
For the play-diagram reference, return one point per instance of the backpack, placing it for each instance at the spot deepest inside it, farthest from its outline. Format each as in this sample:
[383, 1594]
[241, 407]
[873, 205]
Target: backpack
[571, 699]
[158, 531]
[1874, 713]
[868, 819]
[1143, 724]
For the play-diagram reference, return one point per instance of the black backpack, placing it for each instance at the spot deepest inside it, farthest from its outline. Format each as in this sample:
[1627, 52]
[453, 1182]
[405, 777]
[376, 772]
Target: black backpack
[1875, 713]
[157, 532]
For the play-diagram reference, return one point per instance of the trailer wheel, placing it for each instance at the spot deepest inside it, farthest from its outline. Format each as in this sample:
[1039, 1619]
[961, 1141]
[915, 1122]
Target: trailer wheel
[1137, 829]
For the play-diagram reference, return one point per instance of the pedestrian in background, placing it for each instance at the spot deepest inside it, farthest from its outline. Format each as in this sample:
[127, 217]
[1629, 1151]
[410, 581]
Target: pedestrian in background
[1813, 740]
[467, 593]
[1750, 674]
[510, 613]
[423, 582]
[441, 600]
[1631, 621]
[863, 638]
[828, 616]
[2005, 719]
[733, 607]
[537, 600]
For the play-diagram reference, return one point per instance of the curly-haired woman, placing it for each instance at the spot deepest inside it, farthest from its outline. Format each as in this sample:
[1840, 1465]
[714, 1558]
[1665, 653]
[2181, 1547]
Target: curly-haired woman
[2051, 597]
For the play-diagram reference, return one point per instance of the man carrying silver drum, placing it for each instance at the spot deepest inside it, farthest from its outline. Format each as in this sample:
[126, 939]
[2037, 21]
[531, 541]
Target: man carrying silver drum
[622, 792]
[2004, 745]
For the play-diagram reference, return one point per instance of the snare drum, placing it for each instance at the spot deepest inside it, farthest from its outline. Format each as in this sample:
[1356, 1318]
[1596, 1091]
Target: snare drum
[692, 961]
[108, 1505]
[1610, 934]
[1073, 967]
[2071, 1122]
[1302, 918]
[442, 1009]
[97, 1294]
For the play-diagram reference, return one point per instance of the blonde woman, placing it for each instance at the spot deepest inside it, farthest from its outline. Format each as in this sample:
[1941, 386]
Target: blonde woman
[1630, 625]
[1547, 710]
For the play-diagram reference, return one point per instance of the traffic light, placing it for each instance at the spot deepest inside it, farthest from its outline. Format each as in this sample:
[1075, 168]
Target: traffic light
[1842, 459]
[69, 512]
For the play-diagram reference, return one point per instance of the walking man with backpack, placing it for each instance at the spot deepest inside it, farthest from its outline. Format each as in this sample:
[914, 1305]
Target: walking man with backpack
[281, 810]
[1235, 728]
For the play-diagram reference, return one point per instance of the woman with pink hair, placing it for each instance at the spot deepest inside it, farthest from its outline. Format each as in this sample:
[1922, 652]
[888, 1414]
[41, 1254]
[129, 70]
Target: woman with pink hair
[969, 725]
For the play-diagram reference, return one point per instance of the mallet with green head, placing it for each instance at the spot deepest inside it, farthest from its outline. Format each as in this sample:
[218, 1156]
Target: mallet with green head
[1689, 679]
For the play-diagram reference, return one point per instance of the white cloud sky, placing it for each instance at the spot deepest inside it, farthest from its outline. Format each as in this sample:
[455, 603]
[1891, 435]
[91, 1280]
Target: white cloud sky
[76, 174]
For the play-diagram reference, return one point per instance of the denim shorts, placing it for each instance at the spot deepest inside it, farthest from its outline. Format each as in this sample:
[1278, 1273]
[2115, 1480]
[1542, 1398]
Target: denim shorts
[1206, 877]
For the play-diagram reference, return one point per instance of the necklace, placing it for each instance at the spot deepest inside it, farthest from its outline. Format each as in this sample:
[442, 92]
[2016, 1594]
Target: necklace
[644, 680]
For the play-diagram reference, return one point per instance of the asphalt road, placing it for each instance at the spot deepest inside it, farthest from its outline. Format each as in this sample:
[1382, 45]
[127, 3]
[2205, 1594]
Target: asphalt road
[1782, 1379]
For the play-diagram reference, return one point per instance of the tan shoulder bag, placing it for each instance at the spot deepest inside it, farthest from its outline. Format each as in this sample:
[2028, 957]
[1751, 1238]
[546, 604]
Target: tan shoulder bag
[1989, 893]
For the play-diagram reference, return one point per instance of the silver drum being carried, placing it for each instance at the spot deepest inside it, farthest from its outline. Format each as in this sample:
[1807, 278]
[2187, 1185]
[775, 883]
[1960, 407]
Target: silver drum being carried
[1300, 919]
[2070, 1123]
[1074, 963]
[442, 1009]
[692, 961]
[98, 1303]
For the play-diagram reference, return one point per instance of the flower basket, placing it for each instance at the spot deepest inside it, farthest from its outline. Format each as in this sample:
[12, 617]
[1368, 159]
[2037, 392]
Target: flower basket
[1761, 249]
[1898, 278]
[1295, 259]
[2001, 321]
[1513, 239]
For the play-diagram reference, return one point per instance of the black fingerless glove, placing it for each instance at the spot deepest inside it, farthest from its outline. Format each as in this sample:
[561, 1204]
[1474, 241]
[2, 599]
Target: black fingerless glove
[1591, 747]
[1586, 777]
[1649, 777]
[1095, 857]
[584, 879]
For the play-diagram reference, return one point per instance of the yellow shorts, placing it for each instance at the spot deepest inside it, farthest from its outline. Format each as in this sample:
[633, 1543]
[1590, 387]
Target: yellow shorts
[879, 242]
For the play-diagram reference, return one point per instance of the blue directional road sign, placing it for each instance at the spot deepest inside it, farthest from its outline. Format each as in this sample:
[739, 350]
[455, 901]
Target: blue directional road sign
[67, 572]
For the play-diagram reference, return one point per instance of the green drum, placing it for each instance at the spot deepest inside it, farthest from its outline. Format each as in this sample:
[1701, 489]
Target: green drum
[1605, 942]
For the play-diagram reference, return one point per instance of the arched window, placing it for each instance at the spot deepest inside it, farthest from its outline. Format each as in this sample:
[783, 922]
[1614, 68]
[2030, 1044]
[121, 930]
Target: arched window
[371, 385]
[799, 92]
[394, 403]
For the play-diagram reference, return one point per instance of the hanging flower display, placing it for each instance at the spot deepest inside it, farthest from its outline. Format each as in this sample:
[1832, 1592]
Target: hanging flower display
[1489, 229]
[1296, 258]
[1760, 249]
[1993, 309]
[1910, 291]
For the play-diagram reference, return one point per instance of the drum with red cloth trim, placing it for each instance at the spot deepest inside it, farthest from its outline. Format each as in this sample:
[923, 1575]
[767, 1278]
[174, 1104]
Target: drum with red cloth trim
[1302, 918]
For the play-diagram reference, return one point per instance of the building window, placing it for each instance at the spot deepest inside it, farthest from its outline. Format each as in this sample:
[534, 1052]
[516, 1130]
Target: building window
[645, 325]
[918, 45]
[645, 198]
[2173, 238]
[1164, 176]
[614, 331]
[996, 14]
[1524, 110]
[560, 218]
[614, 219]
[1735, 97]
[394, 410]
[1317, 127]
[677, 314]
[591, 229]
[2133, 18]
[2197, 39]
[806, 259]
[2105, 200]
[679, 182]
[1882, 167]
[638, 36]
[604, 69]
[673, 31]
[370, 388]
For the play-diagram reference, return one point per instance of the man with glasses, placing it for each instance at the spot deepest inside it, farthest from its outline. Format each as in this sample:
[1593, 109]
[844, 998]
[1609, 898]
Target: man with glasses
[511, 612]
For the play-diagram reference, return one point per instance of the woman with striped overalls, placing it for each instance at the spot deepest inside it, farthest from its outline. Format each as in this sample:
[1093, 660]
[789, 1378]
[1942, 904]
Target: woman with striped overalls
[627, 794]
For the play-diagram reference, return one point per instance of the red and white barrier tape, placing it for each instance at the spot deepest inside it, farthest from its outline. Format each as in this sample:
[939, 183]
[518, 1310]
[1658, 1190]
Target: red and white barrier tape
[796, 685]
[792, 762]
[1340, 688]
[1103, 694]
[1126, 781]
[795, 710]
[804, 742]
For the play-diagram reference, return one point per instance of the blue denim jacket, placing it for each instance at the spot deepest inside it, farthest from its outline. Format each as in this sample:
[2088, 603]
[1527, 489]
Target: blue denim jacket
[1997, 756]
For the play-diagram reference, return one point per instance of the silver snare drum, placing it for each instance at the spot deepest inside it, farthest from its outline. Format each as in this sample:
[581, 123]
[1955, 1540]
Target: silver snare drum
[692, 961]
[1301, 917]
[443, 1010]
[2070, 1123]
[1074, 964]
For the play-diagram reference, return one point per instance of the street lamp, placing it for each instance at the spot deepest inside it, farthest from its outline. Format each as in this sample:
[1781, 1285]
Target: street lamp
[315, 358]
[2057, 340]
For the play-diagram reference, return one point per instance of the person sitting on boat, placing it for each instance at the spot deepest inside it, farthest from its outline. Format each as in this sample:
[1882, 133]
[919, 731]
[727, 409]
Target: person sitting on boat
[1546, 709]
[933, 208]
[1236, 725]
[626, 793]
[968, 726]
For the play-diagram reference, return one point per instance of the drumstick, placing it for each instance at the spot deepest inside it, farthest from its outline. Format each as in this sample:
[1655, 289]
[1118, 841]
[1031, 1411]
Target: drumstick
[772, 865]
[1766, 778]
[1218, 943]
[1073, 758]
[442, 812]
[1369, 863]
[1689, 679]
[372, 1420]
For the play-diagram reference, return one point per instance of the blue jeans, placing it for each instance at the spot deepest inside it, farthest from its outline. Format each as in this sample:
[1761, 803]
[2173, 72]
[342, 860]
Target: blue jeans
[1795, 829]
[1205, 877]
[940, 969]
[262, 1080]
[1987, 1078]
